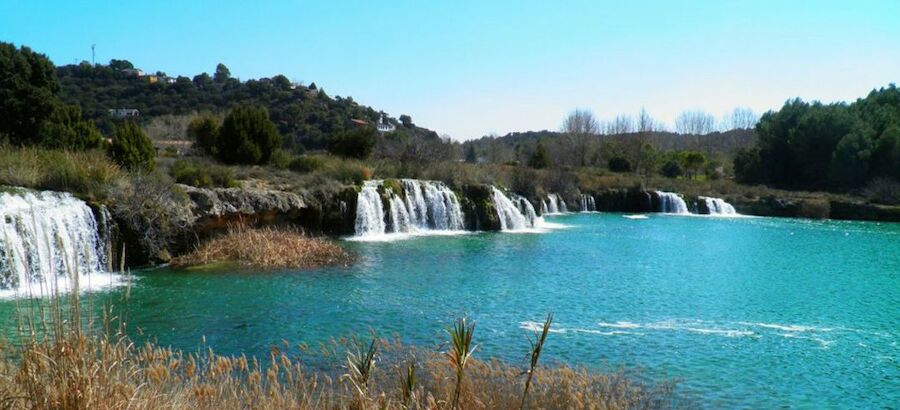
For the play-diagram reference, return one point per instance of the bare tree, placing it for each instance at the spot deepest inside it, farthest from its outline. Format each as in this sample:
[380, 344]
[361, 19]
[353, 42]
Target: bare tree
[641, 152]
[695, 123]
[622, 124]
[741, 118]
[581, 126]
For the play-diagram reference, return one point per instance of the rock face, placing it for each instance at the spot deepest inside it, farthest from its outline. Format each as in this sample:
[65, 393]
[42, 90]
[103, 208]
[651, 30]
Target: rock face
[478, 206]
[217, 208]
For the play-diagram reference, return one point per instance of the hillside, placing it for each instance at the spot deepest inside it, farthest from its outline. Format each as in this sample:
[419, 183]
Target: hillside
[304, 114]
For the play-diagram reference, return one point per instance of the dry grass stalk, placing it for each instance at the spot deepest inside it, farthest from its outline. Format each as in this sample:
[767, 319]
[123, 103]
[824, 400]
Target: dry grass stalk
[267, 248]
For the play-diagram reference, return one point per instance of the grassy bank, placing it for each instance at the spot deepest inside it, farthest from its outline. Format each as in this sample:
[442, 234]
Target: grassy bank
[266, 248]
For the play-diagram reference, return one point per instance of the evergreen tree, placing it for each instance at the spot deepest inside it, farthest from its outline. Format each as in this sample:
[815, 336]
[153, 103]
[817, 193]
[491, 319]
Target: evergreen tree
[247, 136]
[28, 88]
[131, 148]
[539, 158]
[66, 129]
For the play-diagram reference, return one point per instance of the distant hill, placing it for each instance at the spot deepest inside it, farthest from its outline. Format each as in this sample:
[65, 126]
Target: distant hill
[305, 115]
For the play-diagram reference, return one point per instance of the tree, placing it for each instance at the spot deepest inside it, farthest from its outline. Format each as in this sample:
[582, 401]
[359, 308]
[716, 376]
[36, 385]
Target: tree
[406, 120]
[671, 169]
[741, 118]
[204, 131]
[695, 123]
[119, 65]
[131, 148]
[355, 143]
[581, 125]
[693, 162]
[886, 155]
[471, 155]
[28, 88]
[202, 80]
[247, 136]
[222, 74]
[850, 167]
[619, 164]
[539, 159]
[66, 129]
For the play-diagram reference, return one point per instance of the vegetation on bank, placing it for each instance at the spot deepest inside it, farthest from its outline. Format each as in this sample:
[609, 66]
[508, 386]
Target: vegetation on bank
[266, 248]
[836, 147]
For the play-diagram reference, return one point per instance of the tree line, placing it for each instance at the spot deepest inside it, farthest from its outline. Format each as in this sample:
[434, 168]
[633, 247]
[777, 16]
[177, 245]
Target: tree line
[816, 146]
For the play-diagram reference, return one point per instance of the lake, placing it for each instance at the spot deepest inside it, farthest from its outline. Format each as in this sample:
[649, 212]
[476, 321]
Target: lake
[757, 312]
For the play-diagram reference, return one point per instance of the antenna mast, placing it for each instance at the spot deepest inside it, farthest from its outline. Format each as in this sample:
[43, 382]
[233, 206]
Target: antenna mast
[93, 54]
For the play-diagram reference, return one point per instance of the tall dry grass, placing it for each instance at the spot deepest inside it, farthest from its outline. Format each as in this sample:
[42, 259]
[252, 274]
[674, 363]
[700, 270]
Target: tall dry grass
[89, 174]
[267, 248]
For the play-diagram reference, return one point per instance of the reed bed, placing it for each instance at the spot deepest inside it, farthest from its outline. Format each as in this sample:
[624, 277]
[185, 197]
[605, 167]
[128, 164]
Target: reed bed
[267, 248]
[85, 372]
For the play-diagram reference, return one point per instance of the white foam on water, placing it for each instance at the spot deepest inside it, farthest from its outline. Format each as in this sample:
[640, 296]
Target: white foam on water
[620, 325]
[636, 217]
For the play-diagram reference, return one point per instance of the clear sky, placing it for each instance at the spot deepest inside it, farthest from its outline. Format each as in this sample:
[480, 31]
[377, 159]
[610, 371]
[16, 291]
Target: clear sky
[470, 68]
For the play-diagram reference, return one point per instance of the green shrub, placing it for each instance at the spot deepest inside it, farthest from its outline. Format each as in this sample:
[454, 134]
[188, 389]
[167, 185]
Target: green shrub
[671, 169]
[204, 131]
[307, 163]
[66, 129]
[203, 175]
[356, 143]
[281, 159]
[131, 148]
[247, 136]
[619, 164]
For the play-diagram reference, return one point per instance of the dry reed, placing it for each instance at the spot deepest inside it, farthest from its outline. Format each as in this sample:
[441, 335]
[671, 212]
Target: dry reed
[267, 248]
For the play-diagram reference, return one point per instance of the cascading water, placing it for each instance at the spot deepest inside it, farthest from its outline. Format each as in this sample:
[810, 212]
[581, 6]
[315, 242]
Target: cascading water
[671, 203]
[369, 210]
[525, 208]
[718, 206]
[555, 204]
[47, 239]
[510, 212]
[423, 206]
[588, 204]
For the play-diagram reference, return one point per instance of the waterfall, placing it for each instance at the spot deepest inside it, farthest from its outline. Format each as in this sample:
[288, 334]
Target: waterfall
[45, 239]
[369, 210]
[511, 213]
[588, 204]
[671, 203]
[555, 204]
[422, 206]
[718, 206]
[525, 208]
[544, 210]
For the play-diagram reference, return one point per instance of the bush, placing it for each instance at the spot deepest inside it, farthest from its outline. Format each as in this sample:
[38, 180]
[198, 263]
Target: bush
[66, 129]
[307, 163]
[671, 169]
[883, 191]
[131, 148]
[356, 143]
[281, 159]
[619, 164]
[204, 131]
[203, 175]
[247, 136]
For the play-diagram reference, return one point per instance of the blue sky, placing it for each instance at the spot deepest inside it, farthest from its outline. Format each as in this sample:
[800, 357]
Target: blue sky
[470, 68]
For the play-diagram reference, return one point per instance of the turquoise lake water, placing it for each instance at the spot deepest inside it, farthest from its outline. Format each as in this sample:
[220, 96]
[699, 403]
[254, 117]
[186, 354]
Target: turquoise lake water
[745, 312]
